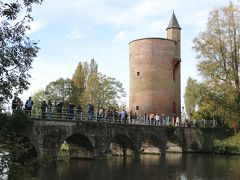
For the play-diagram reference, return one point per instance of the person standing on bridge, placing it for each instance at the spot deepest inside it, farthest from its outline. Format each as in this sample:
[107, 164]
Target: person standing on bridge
[28, 106]
[177, 121]
[16, 104]
[70, 111]
[135, 117]
[152, 119]
[90, 111]
[79, 112]
[49, 108]
[123, 116]
[43, 109]
[59, 108]
[131, 116]
[100, 114]
[157, 118]
[1, 104]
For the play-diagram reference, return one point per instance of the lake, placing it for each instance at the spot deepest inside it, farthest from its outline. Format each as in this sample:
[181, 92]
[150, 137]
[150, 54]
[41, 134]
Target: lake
[147, 167]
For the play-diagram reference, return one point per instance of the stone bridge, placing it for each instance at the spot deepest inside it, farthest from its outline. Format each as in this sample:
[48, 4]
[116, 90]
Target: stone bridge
[90, 139]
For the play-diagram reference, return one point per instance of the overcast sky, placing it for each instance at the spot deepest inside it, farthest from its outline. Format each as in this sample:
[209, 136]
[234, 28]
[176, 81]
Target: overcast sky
[70, 31]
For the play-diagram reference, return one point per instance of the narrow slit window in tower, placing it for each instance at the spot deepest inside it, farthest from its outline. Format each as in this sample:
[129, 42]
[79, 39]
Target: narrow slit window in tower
[137, 108]
[174, 107]
[138, 73]
[174, 74]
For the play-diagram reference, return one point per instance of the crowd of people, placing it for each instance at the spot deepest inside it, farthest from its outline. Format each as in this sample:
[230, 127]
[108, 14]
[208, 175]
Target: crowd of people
[75, 112]
[18, 104]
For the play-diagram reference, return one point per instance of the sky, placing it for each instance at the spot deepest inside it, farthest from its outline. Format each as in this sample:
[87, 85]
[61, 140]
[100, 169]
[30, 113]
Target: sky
[73, 31]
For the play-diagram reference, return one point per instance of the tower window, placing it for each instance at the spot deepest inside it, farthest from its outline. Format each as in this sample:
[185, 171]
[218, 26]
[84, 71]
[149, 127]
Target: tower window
[137, 107]
[174, 74]
[174, 107]
[138, 73]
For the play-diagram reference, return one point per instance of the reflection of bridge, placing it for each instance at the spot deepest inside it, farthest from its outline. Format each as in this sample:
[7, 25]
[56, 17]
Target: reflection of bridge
[98, 139]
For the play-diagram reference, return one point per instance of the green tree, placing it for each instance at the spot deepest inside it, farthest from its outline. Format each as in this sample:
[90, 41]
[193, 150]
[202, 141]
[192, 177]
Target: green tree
[59, 90]
[17, 49]
[86, 86]
[110, 91]
[17, 153]
[218, 48]
[91, 91]
[201, 101]
[78, 84]
[191, 97]
[38, 98]
[94, 87]
[103, 91]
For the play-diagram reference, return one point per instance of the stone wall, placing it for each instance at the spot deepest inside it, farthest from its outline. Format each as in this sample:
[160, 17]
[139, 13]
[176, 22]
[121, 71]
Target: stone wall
[99, 139]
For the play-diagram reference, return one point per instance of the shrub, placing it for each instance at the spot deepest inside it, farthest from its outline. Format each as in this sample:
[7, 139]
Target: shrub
[222, 147]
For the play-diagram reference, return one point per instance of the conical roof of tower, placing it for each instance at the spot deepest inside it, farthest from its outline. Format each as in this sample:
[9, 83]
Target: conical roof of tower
[173, 22]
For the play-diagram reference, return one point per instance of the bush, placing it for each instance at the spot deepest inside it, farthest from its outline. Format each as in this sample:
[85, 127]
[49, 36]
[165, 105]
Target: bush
[20, 155]
[222, 147]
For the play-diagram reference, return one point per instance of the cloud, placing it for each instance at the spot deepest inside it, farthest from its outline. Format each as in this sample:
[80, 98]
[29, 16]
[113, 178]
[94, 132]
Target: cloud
[74, 34]
[140, 13]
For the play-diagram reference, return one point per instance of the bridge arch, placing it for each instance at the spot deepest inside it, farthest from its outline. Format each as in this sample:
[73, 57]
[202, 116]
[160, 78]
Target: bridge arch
[151, 144]
[174, 144]
[80, 146]
[121, 145]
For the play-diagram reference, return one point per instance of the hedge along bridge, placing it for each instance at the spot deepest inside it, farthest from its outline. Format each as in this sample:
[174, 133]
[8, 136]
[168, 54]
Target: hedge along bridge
[90, 139]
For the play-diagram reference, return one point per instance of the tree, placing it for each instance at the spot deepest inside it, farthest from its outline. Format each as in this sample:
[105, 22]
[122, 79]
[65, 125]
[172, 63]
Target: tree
[100, 90]
[86, 86]
[91, 91]
[93, 67]
[17, 153]
[59, 90]
[191, 97]
[218, 49]
[103, 91]
[38, 98]
[78, 84]
[110, 91]
[17, 50]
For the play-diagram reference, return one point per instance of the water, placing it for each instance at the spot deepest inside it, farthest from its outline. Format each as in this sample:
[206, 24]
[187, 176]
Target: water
[147, 167]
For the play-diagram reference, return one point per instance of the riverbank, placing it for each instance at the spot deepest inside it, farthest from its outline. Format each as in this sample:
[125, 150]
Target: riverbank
[230, 145]
[208, 140]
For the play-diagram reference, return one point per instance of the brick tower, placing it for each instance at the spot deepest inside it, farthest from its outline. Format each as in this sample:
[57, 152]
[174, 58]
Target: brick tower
[154, 65]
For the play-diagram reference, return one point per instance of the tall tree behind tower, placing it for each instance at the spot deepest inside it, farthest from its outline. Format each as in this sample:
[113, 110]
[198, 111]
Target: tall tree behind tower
[92, 84]
[78, 84]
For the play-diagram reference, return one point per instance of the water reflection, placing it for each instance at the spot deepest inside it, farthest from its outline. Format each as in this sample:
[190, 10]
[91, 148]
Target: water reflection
[147, 167]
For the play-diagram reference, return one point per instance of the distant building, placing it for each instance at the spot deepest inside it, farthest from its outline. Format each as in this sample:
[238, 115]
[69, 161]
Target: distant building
[154, 65]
